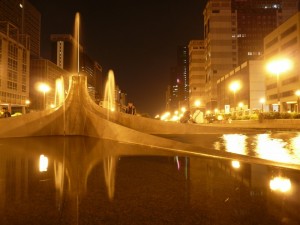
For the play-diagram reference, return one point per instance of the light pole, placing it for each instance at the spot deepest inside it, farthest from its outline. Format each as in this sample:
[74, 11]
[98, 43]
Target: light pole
[262, 101]
[234, 87]
[277, 67]
[44, 88]
[297, 93]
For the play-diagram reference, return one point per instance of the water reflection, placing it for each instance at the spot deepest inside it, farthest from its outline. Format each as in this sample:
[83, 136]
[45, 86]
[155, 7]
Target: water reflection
[43, 163]
[279, 147]
[109, 166]
[91, 181]
[282, 184]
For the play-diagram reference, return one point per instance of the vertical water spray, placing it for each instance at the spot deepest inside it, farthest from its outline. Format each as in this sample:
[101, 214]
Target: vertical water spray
[109, 93]
[60, 96]
[76, 55]
[59, 92]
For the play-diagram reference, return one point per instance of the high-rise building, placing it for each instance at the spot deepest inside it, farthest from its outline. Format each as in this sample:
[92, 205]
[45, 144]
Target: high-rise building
[183, 73]
[174, 90]
[220, 44]
[23, 15]
[281, 86]
[196, 72]
[178, 90]
[234, 32]
[14, 68]
[19, 41]
[255, 19]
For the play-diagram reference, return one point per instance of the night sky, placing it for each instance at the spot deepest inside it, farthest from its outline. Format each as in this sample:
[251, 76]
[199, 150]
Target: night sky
[136, 39]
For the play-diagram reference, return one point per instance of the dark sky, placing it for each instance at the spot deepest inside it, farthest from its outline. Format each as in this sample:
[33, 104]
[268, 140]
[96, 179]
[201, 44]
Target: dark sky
[136, 39]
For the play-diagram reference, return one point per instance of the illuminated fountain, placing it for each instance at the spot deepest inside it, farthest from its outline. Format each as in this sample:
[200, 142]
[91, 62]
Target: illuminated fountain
[59, 92]
[76, 50]
[109, 101]
[79, 115]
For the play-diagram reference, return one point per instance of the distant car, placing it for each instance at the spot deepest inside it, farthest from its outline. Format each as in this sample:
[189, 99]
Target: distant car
[16, 114]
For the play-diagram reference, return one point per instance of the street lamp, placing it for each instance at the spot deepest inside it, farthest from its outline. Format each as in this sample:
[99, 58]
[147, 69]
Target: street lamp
[262, 101]
[297, 93]
[241, 105]
[44, 88]
[234, 87]
[277, 67]
[197, 103]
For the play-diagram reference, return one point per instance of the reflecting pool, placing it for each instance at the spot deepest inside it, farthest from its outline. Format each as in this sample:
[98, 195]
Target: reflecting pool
[77, 180]
[278, 146]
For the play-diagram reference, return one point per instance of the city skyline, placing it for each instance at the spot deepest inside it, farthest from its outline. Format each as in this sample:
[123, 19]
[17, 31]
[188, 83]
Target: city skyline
[138, 42]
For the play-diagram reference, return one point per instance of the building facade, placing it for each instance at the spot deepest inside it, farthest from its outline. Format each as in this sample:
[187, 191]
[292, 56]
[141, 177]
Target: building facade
[26, 18]
[249, 91]
[44, 71]
[220, 45]
[234, 31]
[255, 19]
[14, 68]
[196, 72]
[283, 42]
[183, 73]
[173, 99]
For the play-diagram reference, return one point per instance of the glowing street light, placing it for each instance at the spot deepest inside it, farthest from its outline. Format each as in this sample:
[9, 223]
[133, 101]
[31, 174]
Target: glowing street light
[234, 87]
[277, 67]
[241, 105]
[44, 88]
[197, 103]
[262, 101]
[297, 93]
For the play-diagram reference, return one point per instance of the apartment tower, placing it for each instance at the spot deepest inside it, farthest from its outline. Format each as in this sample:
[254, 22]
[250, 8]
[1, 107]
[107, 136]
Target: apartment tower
[234, 31]
[196, 72]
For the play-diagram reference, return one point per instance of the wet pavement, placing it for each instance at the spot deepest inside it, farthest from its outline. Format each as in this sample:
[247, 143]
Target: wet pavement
[76, 180]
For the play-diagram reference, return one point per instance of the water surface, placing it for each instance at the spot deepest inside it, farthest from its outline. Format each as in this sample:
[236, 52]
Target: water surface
[76, 180]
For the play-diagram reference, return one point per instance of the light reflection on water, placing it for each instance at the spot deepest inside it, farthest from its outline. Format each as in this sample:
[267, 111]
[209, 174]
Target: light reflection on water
[89, 180]
[279, 147]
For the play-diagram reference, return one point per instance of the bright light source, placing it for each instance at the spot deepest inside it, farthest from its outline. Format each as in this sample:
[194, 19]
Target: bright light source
[279, 66]
[43, 163]
[234, 86]
[43, 87]
[280, 184]
[262, 100]
[197, 103]
[235, 164]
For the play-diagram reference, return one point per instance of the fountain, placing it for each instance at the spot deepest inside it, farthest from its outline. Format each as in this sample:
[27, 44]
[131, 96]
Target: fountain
[59, 92]
[81, 116]
[109, 101]
[76, 50]
[89, 137]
